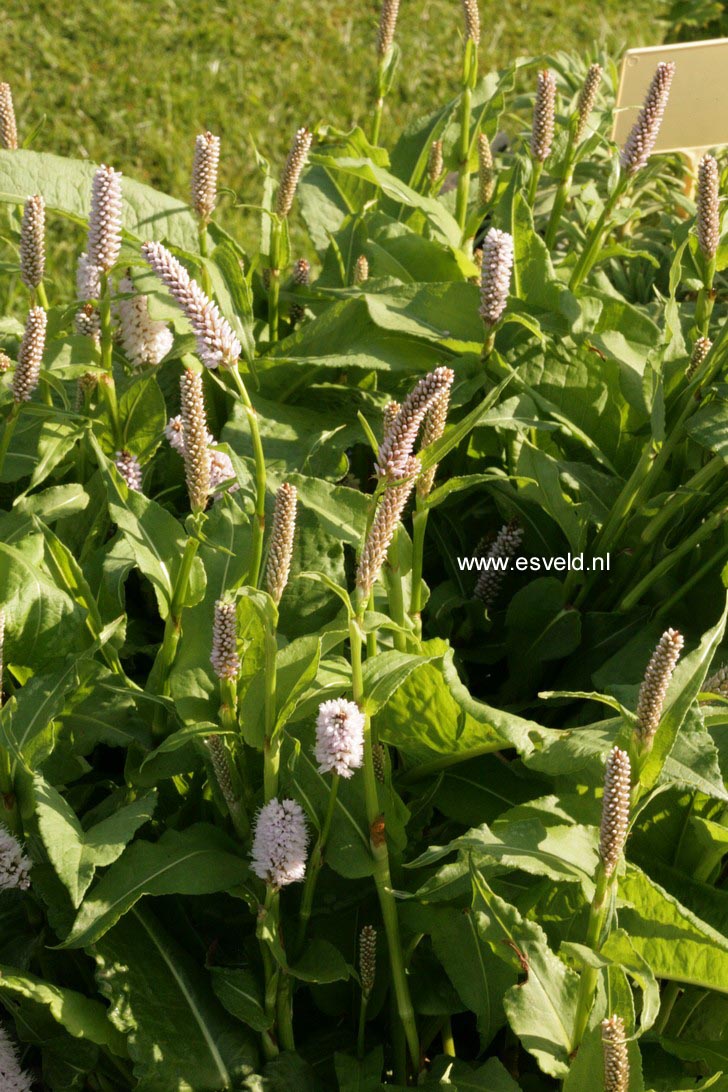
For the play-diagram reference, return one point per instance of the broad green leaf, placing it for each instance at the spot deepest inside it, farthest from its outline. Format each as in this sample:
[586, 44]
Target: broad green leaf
[154, 536]
[542, 1009]
[29, 713]
[478, 975]
[76, 854]
[82, 1017]
[66, 186]
[432, 714]
[321, 962]
[180, 1037]
[196, 861]
[685, 686]
[239, 992]
[384, 673]
[355, 1075]
[675, 943]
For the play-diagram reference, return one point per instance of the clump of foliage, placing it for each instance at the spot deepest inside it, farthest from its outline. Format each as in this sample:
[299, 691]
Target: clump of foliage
[293, 795]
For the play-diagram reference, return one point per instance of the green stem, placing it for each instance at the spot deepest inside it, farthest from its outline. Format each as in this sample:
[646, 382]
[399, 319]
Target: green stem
[42, 297]
[272, 742]
[380, 853]
[395, 595]
[562, 196]
[705, 300]
[106, 384]
[7, 434]
[205, 282]
[229, 721]
[274, 288]
[313, 867]
[654, 529]
[664, 566]
[590, 252]
[590, 975]
[271, 970]
[536, 171]
[360, 1039]
[256, 549]
[284, 1010]
[419, 527]
[173, 627]
[461, 203]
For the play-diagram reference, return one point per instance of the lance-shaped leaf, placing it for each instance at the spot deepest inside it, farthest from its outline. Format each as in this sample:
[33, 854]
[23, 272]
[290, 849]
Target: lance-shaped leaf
[196, 861]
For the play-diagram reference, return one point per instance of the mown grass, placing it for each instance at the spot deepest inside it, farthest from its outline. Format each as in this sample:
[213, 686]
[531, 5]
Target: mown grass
[131, 83]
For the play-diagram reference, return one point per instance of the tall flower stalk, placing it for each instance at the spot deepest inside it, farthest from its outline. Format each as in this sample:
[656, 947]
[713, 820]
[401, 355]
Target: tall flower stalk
[633, 157]
[287, 187]
[386, 61]
[217, 347]
[387, 508]
[339, 751]
[226, 664]
[613, 834]
[468, 80]
[577, 129]
[278, 567]
[102, 252]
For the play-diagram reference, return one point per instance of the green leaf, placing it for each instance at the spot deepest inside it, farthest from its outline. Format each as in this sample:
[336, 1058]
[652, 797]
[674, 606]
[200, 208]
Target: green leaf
[685, 686]
[238, 991]
[154, 536]
[675, 943]
[180, 1037]
[143, 411]
[82, 1017]
[76, 854]
[432, 713]
[321, 962]
[66, 187]
[542, 1009]
[359, 1075]
[296, 667]
[384, 673]
[196, 861]
[28, 714]
[478, 975]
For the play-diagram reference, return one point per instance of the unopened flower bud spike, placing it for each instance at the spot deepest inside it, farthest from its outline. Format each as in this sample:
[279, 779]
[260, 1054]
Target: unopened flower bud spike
[367, 977]
[32, 249]
[27, 374]
[8, 127]
[616, 1058]
[707, 227]
[542, 128]
[653, 690]
[495, 281]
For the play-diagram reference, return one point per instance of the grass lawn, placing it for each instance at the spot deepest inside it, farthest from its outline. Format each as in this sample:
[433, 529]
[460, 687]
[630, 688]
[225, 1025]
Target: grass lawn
[131, 83]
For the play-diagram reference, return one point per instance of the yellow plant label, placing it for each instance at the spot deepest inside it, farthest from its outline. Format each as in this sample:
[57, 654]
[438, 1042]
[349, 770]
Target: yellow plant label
[696, 117]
